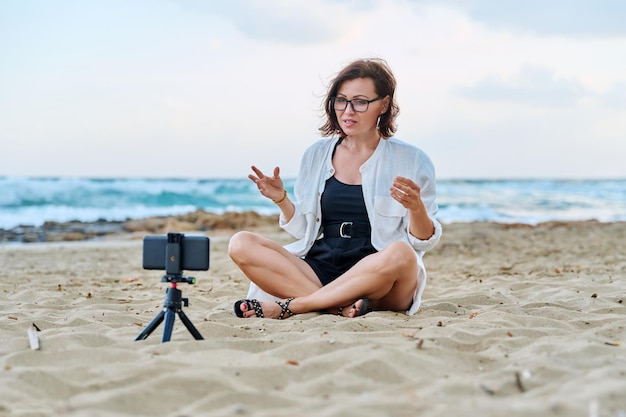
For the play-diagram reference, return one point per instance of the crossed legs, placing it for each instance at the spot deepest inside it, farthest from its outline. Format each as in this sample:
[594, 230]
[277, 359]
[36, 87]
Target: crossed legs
[387, 278]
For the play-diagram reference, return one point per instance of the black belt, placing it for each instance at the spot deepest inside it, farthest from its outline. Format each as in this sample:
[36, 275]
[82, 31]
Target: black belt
[347, 230]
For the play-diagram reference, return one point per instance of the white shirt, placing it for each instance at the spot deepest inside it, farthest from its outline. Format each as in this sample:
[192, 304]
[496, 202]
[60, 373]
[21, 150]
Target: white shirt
[388, 218]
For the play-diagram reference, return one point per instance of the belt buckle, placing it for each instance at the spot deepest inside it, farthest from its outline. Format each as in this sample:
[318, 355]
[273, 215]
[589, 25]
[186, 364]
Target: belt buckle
[341, 232]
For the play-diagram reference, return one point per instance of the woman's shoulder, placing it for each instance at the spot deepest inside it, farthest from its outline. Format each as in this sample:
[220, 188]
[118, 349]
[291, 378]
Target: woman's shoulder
[406, 148]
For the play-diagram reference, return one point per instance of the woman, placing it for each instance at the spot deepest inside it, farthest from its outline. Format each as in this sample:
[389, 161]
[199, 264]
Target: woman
[363, 214]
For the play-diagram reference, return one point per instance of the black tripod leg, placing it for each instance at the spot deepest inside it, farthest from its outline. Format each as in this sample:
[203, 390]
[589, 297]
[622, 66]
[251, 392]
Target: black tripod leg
[172, 305]
[189, 325]
[151, 326]
[169, 325]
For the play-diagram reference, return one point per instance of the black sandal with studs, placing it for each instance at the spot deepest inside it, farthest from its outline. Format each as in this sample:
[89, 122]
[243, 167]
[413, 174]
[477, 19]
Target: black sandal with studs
[285, 309]
[251, 304]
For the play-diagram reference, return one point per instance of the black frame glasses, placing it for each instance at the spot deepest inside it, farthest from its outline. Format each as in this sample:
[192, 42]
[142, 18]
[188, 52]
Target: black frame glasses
[360, 102]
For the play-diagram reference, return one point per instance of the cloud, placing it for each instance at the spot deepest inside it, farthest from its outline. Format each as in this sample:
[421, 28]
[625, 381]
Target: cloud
[576, 18]
[277, 21]
[534, 86]
[615, 97]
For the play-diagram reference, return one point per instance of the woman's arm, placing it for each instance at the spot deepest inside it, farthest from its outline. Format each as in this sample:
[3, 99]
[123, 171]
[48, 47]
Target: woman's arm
[287, 208]
[408, 193]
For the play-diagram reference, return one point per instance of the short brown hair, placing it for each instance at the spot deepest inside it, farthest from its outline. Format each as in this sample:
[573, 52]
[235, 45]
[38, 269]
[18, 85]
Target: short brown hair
[384, 83]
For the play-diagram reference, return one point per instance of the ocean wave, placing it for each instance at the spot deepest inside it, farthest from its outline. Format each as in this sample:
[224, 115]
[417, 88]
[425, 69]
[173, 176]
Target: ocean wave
[33, 201]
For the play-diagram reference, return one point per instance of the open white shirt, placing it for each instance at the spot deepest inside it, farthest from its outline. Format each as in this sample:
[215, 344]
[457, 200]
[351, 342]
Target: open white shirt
[388, 218]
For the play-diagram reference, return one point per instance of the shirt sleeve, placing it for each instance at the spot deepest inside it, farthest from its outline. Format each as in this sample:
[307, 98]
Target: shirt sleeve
[431, 242]
[297, 225]
[426, 180]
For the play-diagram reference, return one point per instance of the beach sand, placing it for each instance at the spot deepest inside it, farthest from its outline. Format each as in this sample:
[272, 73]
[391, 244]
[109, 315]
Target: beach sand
[515, 321]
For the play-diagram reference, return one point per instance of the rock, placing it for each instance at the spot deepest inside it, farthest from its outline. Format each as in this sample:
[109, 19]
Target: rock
[199, 220]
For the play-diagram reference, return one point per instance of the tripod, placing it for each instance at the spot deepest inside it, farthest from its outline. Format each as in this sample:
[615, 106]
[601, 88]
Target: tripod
[171, 306]
[174, 261]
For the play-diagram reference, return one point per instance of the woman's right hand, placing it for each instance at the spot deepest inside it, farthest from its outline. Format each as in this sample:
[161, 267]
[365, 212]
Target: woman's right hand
[270, 187]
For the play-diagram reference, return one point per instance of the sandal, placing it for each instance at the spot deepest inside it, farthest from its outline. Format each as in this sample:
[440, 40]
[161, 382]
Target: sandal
[366, 307]
[363, 310]
[252, 305]
[285, 309]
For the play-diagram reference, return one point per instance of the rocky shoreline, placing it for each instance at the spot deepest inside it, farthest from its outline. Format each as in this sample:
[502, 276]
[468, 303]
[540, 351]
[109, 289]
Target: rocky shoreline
[195, 221]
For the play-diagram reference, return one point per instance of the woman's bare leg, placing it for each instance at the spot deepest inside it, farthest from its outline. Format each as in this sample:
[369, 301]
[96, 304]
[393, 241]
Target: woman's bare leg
[270, 266]
[388, 278]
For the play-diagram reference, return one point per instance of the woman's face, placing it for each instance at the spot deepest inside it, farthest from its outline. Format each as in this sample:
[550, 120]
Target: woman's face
[358, 91]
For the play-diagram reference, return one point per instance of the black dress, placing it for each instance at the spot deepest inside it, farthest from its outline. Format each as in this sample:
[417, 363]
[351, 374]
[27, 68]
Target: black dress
[343, 214]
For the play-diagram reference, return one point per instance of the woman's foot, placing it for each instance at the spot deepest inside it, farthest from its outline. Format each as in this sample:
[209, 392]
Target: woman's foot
[254, 308]
[361, 307]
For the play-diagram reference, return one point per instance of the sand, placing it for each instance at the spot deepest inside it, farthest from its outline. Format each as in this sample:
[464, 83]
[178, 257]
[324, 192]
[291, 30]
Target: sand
[515, 321]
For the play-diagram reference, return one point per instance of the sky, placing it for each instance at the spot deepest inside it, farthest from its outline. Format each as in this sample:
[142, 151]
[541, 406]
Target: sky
[205, 89]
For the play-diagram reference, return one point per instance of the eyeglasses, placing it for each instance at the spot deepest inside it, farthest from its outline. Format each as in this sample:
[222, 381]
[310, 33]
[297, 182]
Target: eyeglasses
[358, 104]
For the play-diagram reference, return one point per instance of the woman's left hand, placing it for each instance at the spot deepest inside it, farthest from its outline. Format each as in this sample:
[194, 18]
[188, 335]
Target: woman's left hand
[406, 192]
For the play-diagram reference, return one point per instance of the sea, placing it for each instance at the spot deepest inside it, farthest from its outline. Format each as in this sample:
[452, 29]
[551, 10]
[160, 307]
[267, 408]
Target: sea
[28, 201]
